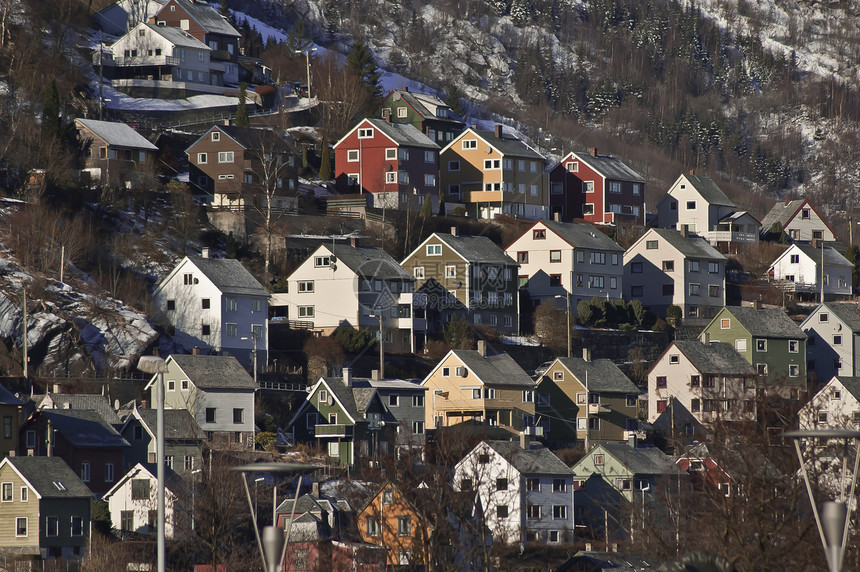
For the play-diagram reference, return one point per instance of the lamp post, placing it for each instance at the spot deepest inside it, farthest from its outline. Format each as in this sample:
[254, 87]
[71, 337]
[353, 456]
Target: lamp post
[253, 352]
[381, 345]
[308, 61]
[834, 515]
[273, 542]
[157, 365]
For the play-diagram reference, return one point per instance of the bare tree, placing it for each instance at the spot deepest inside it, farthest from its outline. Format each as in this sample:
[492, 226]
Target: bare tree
[343, 95]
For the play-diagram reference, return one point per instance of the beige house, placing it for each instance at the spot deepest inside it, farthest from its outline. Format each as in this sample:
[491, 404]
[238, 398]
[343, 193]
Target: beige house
[470, 385]
[492, 173]
[799, 220]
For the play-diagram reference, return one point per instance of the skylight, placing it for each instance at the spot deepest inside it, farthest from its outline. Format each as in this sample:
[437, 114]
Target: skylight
[60, 486]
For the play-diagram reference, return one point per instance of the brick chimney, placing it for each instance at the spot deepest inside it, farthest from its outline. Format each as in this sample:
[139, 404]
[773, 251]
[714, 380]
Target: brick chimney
[594, 151]
[482, 347]
[815, 243]
[498, 131]
[757, 303]
[692, 171]
[354, 241]
[405, 88]
[195, 351]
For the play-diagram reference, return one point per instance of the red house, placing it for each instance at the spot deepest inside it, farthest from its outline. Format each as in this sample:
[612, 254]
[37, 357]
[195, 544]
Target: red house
[599, 188]
[396, 164]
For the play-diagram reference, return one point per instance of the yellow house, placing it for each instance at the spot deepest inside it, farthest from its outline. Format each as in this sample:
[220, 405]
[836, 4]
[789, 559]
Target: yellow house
[492, 173]
[472, 385]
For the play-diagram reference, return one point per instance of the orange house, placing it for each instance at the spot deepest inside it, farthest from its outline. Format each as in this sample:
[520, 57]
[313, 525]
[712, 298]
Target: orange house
[389, 520]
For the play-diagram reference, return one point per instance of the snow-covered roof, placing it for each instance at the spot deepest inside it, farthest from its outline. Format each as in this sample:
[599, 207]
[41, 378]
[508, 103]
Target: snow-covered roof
[116, 134]
[208, 17]
[175, 36]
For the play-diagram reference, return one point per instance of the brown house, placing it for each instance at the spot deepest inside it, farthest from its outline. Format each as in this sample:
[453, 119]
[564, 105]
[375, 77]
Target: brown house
[114, 152]
[391, 521]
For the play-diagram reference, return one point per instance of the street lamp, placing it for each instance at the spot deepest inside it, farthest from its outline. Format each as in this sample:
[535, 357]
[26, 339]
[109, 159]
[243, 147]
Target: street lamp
[308, 60]
[834, 516]
[381, 345]
[254, 351]
[156, 365]
[273, 542]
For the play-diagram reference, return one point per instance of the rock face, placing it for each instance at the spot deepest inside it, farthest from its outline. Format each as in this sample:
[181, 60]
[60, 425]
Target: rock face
[69, 332]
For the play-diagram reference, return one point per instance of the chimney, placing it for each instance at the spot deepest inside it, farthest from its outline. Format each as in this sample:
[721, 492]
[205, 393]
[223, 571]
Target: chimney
[374, 375]
[57, 388]
[482, 347]
[11, 453]
[815, 243]
[354, 241]
[498, 131]
[524, 441]
[594, 151]
[315, 490]
[692, 171]
[588, 547]
[388, 118]
[586, 354]
[556, 216]
[706, 338]
[453, 231]
[757, 303]
[685, 231]
[631, 439]
[405, 88]
[204, 253]
[195, 351]
[787, 200]
[347, 377]
[144, 404]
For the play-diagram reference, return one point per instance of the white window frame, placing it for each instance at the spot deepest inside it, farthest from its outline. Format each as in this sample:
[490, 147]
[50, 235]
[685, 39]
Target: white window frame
[352, 156]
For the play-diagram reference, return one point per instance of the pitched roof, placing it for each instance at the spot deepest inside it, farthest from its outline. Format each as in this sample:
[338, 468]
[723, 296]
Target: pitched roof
[208, 17]
[847, 312]
[610, 167]
[766, 322]
[690, 247]
[642, 460]
[177, 37]
[715, 358]
[369, 262]
[404, 134]
[78, 401]
[253, 138]
[363, 396]
[8, 398]
[851, 384]
[831, 255]
[344, 395]
[530, 461]
[508, 145]
[43, 472]
[117, 134]
[603, 375]
[178, 423]
[84, 428]
[781, 213]
[580, 235]
[709, 190]
[475, 248]
[173, 482]
[420, 102]
[496, 369]
[214, 372]
[229, 276]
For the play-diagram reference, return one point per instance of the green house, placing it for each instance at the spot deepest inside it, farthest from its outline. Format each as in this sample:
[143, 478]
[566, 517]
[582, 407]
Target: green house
[342, 418]
[767, 338]
[427, 113]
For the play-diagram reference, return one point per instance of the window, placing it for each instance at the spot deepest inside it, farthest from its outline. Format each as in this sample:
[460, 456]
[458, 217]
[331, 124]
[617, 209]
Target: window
[108, 472]
[714, 267]
[817, 234]
[210, 415]
[306, 311]
[21, 525]
[598, 258]
[636, 268]
[434, 250]
[554, 280]
[492, 164]
[804, 214]
[404, 526]
[668, 266]
[539, 234]
[417, 427]
[372, 526]
[7, 495]
[661, 406]
[533, 485]
[534, 512]
[501, 484]
[588, 187]
[694, 265]
[713, 291]
[238, 415]
[661, 381]
[469, 144]
[85, 472]
[793, 346]
[25, 494]
[417, 401]
[837, 340]
[453, 166]
[528, 396]
[502, 511]
[761, 345]
[668, 289]
[651, 244]
[761, 368]
[559, 485]
[614, 187]
[793, 370]
[365, 133]
[695, 289]
[52, 526]
[555, 256]
[225, 156]
[559, 512]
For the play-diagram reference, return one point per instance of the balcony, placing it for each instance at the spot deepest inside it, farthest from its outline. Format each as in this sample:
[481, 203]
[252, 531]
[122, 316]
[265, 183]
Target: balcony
[144, 61]
[596, 408]
[332, 430]
[485, 197]
[715, 236]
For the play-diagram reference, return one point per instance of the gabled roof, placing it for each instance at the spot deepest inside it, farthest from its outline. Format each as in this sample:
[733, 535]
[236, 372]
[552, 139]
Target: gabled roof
[172, 481]
[603, 375]
[41, 473]
[847, 312]
[781, 213]
[369, 262]
[472, 249]
[117, 134]
[609, 167]
[78, 401]
[424, 104]
[737, 215]
[578, 235]
[764, 322]
[227, 274]
[363, 396]
[306, 503]
[178, 423]
[212, 372]
[506, 145]
[708, 190]
[530, 461]
[251, 138]
[84, 428]
[401, 134]
[831, 255]
[642, 461]
[496, 369]
[851, 384]
[8, 398]
[344, 396]
[689, 247]
[175, 36]
[714, 358]
[208, 18]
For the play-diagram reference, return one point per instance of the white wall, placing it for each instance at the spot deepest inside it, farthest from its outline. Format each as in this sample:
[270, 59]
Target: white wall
[335, 295]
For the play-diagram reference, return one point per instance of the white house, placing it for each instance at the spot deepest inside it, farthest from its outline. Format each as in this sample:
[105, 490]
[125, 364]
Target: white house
[160, 53]
[799, 220]
[215, 305]
[133, 501]
[359, 287]
[665, 267]
[835, 406]
[799, 269]
[560, 259]
[833, 344]
[711, 380]
[218, 393]
[696, 203]
[526, 494]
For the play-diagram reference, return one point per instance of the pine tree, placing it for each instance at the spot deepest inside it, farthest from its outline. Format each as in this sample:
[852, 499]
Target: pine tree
[51, 111]
[853, 256]
[441, 204]
[223, 9]
[297, 40]
[452, 99]
[360, 60]
[242, 109]
[426, 208]
[325, 160]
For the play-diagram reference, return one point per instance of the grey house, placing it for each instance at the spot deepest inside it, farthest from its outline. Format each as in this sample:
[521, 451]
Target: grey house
[183, 439]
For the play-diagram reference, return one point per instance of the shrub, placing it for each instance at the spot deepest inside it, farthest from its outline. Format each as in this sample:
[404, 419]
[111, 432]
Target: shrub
[351, 340]
[673, 315]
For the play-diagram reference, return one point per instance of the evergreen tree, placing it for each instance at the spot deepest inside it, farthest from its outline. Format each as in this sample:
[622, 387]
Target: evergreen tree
[426, 208]
[297, 40]
[51, 112]
[853, 256]
[223, 9]
[360, 60]
[325, 160]
[242, 110]
[453, 94]
[441, 204]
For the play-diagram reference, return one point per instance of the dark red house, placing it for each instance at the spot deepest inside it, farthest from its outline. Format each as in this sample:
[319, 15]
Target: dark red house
[598, 188]
[82, 438]
[396, 164]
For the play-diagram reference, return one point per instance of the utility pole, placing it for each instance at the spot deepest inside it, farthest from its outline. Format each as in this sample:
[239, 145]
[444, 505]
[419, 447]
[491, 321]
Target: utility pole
[24, 341]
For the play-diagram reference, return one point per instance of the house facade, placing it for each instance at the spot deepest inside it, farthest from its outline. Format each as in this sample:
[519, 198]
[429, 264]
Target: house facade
[559, 260]
[395, 163]
[389, 520]
[427, 113]
[218, 393]
[835, 406]
[580, 399]
[10, 411]
[45, 510]
[599, 188]
[359, 287]
[526, 494]
[665, 267]
[133, 502]
[712, 381]
[491, 174]
[183, 443]
[799, 220]
[215, 305]
[833, 344]
[813, 269]
[766, 338]
[466, 276]
[475, 385]
[115, 153]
